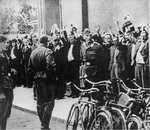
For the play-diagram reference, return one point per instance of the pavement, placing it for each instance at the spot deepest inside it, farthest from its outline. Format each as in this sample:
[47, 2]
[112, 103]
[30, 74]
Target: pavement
[22, 120]
[23, 100]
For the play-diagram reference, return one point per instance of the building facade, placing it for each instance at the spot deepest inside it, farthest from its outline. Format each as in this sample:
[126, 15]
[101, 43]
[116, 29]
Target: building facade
[90, 13]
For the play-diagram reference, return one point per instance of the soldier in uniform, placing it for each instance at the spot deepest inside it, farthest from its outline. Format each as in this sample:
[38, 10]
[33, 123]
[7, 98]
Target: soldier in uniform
[42, 69]
[6, 89]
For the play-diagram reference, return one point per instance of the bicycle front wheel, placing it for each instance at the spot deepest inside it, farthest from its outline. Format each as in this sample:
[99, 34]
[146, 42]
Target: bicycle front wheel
[101, 122]
[73, 119]
[134, 123]
[86, 115]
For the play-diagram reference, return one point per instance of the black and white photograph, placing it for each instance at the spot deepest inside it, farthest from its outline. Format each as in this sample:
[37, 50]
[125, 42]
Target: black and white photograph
[74, 65]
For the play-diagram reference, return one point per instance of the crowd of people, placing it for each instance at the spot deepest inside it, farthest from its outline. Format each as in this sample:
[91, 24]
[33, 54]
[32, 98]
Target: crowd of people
[98, 55]
[110, 55]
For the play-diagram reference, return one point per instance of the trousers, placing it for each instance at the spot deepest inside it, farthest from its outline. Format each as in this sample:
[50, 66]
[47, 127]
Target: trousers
[45, 91]
[140, 74]
[6, 99]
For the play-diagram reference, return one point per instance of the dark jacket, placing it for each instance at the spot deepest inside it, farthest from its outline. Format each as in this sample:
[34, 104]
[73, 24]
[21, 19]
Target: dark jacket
[26, 52]
[15, 63]
[41, 64]
[112, 52]
[5, 72]
[76, 50]
[145, 53]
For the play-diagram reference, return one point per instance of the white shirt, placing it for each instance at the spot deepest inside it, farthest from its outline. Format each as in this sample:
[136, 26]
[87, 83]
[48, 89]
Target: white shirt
[12, 53]
[116, 53]
[139, 57]
[132, 52]
[70, 55]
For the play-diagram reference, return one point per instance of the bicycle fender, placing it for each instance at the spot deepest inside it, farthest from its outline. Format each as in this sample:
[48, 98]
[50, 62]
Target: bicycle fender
[108, 114]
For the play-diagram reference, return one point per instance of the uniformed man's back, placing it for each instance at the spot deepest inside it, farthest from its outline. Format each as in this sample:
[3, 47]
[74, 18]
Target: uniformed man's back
[42, 64]
[38, 58]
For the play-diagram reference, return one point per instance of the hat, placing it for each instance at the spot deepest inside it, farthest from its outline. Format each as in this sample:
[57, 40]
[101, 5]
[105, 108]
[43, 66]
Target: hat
[2, 38]
[44, 39]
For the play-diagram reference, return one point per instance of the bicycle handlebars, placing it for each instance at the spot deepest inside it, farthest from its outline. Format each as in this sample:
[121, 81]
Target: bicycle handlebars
[99, 82]
[91, 90]
[96, 83]
[139, 90]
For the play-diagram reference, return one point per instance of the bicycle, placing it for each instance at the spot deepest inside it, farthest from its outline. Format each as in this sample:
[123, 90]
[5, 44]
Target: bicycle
[75, 113]
[81, 112]
[136, 104]
[113, 114]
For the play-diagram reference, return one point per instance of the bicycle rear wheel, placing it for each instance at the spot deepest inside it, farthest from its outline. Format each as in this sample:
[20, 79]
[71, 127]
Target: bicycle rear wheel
[73, 119]
[134, 123]
[119, 122]
[102, 122]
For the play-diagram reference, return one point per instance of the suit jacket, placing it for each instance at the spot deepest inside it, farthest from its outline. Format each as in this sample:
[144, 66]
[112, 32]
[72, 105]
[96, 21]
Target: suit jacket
[61, 62]
[41, 64]
[144, 51]
[5, 80]
[26, 54]
[15, 63]
[134, 53]
[119, 58]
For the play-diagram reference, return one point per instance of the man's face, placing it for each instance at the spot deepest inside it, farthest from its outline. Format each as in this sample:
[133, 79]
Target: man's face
[71, 38]
[74, 30]
[7, 44]
[139, 40]
[58, 35]
[127, 35]
[13, 44]
[35, 39]
[137, 29]
[107, 38]
[87, 36]
[25, 41]
[115, 40]
[56, 42]
[3, 45]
